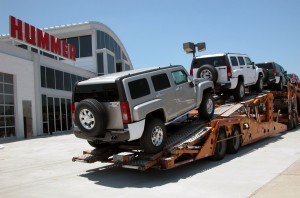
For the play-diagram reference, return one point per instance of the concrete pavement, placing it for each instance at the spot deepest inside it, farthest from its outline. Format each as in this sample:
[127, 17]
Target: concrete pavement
[42, 167]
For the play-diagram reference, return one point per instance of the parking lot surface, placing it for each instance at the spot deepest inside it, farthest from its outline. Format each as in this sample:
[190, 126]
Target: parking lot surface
[42, 167]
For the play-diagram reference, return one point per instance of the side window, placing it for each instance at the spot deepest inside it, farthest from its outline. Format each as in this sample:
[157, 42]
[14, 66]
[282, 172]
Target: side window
[139, 88]
[233, 61]
[248, 61]
[179, 77]
[160, 82]
[241, 60]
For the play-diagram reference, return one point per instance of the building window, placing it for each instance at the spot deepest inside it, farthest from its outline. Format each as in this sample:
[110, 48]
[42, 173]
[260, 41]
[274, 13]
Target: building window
[57, 114]
[45, 113]
[100, 63]
[85, 46]
[59, 76]
[7, 107]
[106, 41]
[50, 78]
[111, 64]
[43, 76]
[74, 41]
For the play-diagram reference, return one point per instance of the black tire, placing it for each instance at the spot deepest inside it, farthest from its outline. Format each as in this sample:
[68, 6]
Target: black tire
[221, 147]
[279, 86]
[259, 86]
[239, 91]
[207, 106]
[154, 136]
[208, 72]
[99, 146]
[234, 144]
[93, 110]
[266, 75]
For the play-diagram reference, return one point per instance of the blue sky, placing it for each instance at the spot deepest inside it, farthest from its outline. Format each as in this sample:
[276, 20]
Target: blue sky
[153, 31]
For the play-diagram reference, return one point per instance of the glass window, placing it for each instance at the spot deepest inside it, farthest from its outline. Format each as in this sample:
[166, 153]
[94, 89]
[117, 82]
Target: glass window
[139, 88]
[1, 110]
[50, 78]
[63, 114]
[67, 81]
[99, 41]
[241, 60]
[2, 122]
[124, 57]
[43, 76]
[8, 78]
[69, 119]
[85, 46]
[127, 67]
[2, 131]
[100, 63]
[160, 82]
[106, 37]
[179, 77]
[51, 115]
[9, 121]
[59, 76]
[57, 114]
[10, 132]
[8, 89]
[48, 55]
[9, 110]
[44, 108]
[102, 35]
[233, 61]
[118, 53]
[9, 99]
[74, 80]
[1, 99]
[74, 41]
[111, 64]
[1, 77]
[34, 50]
[248, 61]
[1, 87]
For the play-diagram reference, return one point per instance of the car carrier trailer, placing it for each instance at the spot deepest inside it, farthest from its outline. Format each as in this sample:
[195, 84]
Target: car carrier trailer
[233, 125]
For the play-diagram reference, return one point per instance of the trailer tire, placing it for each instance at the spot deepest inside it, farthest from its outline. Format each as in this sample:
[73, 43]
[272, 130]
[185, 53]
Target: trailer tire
[221, 147]
[154, 136]
[234, 143]
[207, 106]
[90, 117]
[239, 91]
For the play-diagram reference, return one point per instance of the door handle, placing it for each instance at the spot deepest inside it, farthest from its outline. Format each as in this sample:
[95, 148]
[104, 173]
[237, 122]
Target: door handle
[248, 67]
[242, 67]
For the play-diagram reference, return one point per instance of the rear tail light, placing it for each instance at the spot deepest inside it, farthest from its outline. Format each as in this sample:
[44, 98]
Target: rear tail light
[125, 110]
[274, 71]
[73, 110]
[229, 72]
[191, 72]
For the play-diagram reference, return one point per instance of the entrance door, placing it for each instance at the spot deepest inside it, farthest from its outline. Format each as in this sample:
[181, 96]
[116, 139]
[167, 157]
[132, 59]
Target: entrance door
[27, 118]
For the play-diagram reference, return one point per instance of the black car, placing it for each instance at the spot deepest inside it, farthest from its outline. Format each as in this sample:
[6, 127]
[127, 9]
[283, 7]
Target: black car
[274, 75]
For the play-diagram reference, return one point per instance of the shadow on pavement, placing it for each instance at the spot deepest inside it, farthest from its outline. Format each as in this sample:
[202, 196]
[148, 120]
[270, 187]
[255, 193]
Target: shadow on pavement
[118, 177]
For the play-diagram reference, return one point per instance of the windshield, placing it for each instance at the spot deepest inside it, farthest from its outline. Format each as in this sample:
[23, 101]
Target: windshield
[265, 65]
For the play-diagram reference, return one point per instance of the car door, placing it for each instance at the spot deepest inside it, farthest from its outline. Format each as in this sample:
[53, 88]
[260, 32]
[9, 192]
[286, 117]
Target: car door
[250, 71]
[184, 92]
[163, 91]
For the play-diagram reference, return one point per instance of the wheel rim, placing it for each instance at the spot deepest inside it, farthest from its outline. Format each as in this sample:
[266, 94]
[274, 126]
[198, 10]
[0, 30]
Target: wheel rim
[242, 90]
[87, 119]
[157, 136]
[209, 106]
[206, 74]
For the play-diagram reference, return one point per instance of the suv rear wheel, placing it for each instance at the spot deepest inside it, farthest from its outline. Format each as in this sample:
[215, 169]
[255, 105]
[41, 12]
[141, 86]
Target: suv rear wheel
[239, 91]
[207, 106]
[208, 72]
[90, 117]
[259, 86]
[154, 136]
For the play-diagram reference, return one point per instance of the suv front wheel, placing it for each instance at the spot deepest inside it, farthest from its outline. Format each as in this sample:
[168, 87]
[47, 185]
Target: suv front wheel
[154, 136]
[207, 106]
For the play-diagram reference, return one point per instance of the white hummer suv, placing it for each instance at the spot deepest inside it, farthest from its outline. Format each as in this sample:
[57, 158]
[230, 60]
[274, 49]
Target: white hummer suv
[230, 72]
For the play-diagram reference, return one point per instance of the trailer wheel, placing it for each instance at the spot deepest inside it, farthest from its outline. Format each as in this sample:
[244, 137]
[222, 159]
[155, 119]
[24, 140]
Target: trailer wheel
[233, 144]
[221, 146]
[239, 91]
[207, 106]
[154, 136]
[90, 117]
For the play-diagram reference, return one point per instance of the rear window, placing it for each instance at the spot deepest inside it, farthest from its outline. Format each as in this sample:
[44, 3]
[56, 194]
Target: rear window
[101, 92]
[139, 88]
[265, 65]
[214, 61]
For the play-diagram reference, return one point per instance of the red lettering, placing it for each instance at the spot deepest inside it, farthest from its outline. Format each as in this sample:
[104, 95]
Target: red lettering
[65, 49]
[29, 34]
[16, 27]
[43, 39]
[55, 45]
[72, 52]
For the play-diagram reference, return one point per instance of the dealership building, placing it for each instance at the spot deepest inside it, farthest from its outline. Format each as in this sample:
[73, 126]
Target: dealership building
[39, 68]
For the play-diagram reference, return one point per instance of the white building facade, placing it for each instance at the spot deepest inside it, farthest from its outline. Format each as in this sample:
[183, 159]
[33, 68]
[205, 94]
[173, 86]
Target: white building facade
[36, 85]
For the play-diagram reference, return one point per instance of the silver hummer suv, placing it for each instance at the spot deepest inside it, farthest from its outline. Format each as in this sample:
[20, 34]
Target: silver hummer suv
[136, 105]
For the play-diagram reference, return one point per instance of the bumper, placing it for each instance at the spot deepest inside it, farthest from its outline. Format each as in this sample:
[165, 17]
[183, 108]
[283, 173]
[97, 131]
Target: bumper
[110, 136]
